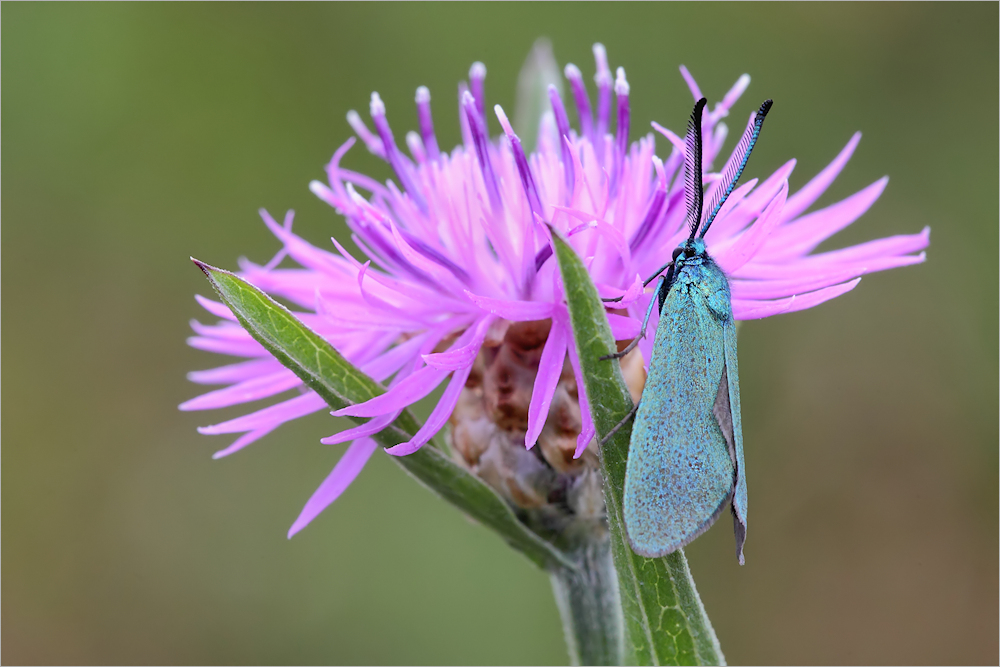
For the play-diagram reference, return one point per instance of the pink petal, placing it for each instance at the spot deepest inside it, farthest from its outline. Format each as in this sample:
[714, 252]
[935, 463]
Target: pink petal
[801, 236]
[346, 470]
[374, 144]
[753, 310]
[735, 199]
[550, 367]
[243, 441]
[440, 274]
[876, 255]
[623, 328]
[253, 389]
[237, 372]
[368, 347]
[628, 296]
[889, 246]
[757, 290]
[327, 194]
[363, 181]
[389, 287]
[248, 348]
[811, 191]
[515, 311]
[409, 391]
[438, 416]
[376, 303]
[605, 229]
[752, 238]
[692, 85]
[305, 253]
[859, 267]
[216, 308]
[223, 330]
[732, 96]
[461, 357]
[677, 142]
[751, 206]
[393, 359]
[271, 416]
[371, 427]
[633, 292]
[587, 429]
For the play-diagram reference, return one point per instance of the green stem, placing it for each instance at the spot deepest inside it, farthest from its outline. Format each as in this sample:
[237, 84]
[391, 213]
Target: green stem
[590, 606]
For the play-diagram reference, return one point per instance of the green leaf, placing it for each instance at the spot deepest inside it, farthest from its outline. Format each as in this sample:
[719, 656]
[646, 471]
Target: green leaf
[340, 384]
[665, 621]
[540, 70]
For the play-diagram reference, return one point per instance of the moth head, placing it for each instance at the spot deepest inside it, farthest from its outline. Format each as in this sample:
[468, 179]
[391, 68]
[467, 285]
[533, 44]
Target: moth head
[689, 249]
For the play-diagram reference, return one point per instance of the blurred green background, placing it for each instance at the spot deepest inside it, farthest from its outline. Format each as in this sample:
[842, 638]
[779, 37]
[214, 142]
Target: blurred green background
[136, 135]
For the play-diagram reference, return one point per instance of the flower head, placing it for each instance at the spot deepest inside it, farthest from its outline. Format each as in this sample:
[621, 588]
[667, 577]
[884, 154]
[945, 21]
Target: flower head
[458, 254]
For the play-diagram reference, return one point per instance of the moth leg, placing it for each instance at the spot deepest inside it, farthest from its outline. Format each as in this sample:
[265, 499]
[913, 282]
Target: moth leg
[644, 282]
[645, 321]
[631, 413]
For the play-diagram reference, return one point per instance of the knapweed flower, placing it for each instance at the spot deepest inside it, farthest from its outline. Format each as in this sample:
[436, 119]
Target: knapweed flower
[460, 285]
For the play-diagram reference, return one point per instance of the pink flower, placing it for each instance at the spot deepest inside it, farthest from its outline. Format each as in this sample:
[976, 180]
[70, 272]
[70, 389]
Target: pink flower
[457, 249]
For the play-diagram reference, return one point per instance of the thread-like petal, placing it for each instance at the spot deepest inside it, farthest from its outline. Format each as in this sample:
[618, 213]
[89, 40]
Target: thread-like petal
[410, 390]
[216, 308]
[750, 241]
[269, 417]
[753, 290]
[237, 372]
[587, 428]
[623, 328]
[515, 311]
[370, 427]
[811, 191]
[550, 367]
[802, 235]
[252, 389]
[754, 310]
[243, 441]
[234, 348]
[346, 470]
[461, 357]
[438, 416]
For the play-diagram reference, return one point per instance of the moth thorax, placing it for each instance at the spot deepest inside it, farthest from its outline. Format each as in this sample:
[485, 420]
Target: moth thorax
[551, 491]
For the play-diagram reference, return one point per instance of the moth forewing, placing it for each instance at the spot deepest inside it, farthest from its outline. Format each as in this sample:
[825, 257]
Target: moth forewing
[680, 473]
[724, 414]
[740, 494]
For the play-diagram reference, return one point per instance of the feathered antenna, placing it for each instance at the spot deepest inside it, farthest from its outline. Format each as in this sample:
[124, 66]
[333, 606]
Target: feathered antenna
[734, 167]
[693, 192]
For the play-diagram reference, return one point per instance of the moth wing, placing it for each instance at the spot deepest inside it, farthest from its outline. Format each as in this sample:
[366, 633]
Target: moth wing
[679, 474]
[727, 412]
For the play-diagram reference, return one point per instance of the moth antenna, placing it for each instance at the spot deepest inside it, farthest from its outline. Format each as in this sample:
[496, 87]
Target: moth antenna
[693, 187]
[734, 167]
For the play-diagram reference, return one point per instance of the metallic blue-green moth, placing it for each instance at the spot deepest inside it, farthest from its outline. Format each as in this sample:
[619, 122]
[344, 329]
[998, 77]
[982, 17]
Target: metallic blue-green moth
[685, 460]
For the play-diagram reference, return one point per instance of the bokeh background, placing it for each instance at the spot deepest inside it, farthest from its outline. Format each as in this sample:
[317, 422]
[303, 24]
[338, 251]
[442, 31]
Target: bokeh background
[135, 135]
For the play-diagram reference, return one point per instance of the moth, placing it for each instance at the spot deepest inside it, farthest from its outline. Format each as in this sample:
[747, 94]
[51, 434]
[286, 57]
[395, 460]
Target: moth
[685, 459]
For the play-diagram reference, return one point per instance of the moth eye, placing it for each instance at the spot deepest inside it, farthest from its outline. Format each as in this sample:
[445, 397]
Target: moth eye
[678, 250]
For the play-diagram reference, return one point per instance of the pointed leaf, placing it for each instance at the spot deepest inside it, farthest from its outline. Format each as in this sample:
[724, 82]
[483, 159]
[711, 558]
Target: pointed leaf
[665, 621]
[340, 384]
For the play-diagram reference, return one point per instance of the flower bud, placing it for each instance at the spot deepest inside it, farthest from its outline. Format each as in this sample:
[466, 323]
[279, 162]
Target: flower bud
[555, 494]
